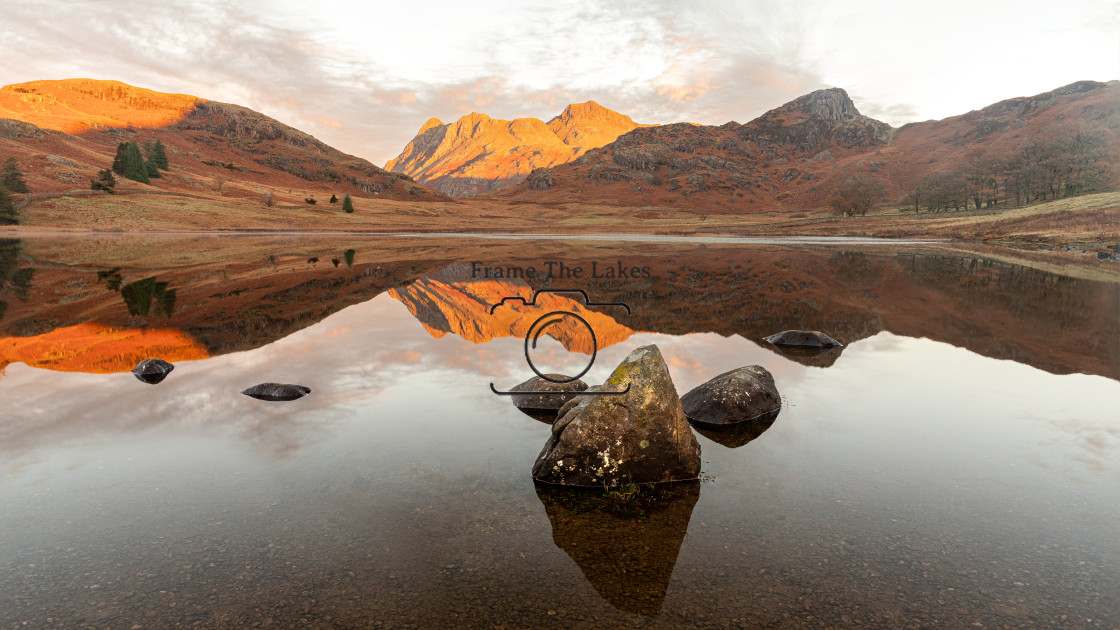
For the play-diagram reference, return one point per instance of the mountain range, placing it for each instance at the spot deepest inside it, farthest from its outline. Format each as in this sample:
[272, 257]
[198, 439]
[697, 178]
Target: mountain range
[796, 155]
[792, 158]
[477, 154]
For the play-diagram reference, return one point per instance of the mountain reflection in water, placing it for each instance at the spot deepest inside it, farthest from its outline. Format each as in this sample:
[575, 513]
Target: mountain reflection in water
[255, 290]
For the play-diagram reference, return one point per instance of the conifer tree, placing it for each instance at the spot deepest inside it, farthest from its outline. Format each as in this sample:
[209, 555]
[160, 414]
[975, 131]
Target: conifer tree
[334, 199]
[347, 205]
[105, 181]
[12, 178]
[153, 172]
[158, 156]
[120, 166]
[8, 214]
[134, 164]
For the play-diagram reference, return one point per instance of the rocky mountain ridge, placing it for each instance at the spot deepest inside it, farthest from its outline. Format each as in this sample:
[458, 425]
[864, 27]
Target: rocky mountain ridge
[794, 156]
[477, 154]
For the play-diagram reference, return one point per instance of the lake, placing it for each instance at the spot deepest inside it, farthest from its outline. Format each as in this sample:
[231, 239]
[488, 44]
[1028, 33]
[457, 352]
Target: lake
[955, 465]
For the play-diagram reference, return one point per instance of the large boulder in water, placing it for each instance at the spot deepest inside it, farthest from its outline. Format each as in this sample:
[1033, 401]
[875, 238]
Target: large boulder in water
[641, 436]
[277, 392]
[152, 371]
[544, 406]
[803, 339]
[732, 398]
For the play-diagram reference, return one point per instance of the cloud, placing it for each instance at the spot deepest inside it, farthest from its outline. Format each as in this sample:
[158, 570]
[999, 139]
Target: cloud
[364, 77]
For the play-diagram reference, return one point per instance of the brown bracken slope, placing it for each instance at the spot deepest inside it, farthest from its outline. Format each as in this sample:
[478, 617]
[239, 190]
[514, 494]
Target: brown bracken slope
[63, 132]
[794, 156]
[477, 154]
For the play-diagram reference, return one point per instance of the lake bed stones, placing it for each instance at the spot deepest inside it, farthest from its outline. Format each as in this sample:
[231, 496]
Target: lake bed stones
[152, 371]
[277, 392]
[732, 398]
[641, 436]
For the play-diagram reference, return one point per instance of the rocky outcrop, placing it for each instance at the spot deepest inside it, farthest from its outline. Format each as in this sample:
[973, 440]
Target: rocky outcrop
[810, 339]
[152, 371]
[641, 436]
[540, 179]
[732, 398]
[477, 154]
[276, 392]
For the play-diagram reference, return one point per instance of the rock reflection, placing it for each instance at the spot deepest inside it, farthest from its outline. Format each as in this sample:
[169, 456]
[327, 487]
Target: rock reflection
[740, 434]
[625, 542]
[812, 357]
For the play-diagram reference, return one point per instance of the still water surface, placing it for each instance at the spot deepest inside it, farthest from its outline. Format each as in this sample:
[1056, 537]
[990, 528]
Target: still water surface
[956, 465]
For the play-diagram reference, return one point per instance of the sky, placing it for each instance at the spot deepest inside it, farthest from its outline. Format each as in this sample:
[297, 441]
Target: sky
[364, 76]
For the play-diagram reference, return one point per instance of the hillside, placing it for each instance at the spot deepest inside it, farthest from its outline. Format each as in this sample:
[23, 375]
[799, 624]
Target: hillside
[796, 155]
[63, 132]
[478, 154]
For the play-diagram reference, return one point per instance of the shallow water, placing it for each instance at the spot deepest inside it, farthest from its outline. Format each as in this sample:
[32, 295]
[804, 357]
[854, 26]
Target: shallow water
[955, 464]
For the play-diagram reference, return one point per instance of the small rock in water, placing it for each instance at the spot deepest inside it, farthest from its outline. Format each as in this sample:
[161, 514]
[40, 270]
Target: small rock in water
[152, 371]
[802, 339]
[544, 406]
[732, 398]
[277, 391]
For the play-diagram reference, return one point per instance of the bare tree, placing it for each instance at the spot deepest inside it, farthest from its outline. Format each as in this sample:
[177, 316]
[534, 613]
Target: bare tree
[856, 196]
[268, 199]
[219, 183]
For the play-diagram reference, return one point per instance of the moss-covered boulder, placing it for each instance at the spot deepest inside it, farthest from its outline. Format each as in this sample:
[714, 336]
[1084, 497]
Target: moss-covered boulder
[641, 436]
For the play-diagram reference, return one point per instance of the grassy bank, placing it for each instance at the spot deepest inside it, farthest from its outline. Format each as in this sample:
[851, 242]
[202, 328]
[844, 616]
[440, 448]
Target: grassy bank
[1090, 221]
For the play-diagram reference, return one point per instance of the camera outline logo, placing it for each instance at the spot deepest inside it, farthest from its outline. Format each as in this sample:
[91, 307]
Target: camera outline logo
[537, 328]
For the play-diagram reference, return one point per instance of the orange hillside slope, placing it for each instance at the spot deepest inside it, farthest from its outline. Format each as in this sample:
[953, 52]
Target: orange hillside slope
[97, 349]
[76, 105]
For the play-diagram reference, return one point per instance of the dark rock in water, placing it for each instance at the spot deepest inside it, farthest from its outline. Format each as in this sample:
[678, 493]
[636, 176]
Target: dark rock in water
[641, 436]
[152, 371]
[739, 434]
[544, 406]
[803, 339]
[277, 391]
[626, 541]
[732, 398]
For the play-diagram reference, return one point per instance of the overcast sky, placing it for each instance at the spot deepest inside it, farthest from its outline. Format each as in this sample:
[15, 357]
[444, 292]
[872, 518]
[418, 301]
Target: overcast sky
[363, 76]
